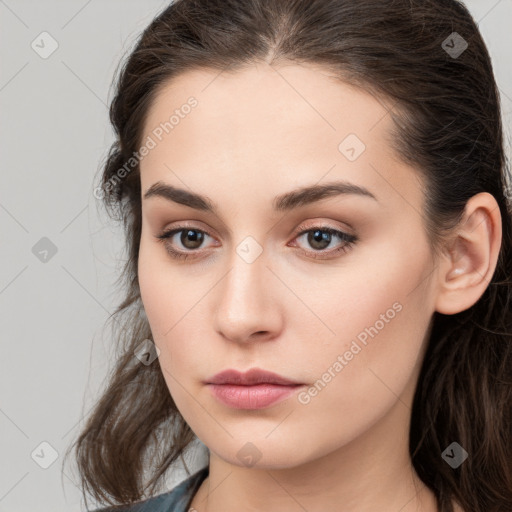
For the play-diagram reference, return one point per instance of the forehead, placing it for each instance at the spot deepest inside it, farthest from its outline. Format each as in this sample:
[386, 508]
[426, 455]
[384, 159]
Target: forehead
[268, 127]
[256, 102]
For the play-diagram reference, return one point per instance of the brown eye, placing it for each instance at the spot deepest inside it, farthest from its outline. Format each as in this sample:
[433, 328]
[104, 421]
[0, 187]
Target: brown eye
[191, 238]
[319, 239]
[187, 244]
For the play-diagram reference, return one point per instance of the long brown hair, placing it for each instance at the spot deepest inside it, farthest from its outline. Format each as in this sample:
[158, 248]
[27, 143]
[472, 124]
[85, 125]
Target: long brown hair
[447, 123]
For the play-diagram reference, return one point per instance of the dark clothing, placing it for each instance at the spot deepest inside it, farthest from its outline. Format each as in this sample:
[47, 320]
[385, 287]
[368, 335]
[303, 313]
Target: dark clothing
[176, 500]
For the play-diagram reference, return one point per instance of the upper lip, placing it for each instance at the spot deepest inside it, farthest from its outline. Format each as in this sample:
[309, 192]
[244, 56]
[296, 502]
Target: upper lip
[251, 377]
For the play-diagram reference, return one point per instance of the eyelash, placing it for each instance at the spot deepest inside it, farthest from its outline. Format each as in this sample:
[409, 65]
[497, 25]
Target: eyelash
[349, 240]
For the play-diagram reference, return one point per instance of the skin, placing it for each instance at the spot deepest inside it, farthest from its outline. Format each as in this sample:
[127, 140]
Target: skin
[256, 134]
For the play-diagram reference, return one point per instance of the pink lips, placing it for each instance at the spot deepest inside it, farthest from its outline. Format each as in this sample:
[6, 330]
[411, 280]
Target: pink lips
[254, 389]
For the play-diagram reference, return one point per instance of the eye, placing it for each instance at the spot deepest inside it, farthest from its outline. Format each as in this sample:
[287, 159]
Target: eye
[190, 238]
[318, 237]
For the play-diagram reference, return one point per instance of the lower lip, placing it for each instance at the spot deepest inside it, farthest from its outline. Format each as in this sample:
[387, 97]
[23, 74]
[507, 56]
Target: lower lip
[257, 396]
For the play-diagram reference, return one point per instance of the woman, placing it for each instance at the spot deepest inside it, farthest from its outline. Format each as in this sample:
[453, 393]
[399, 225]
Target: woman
[318, 282]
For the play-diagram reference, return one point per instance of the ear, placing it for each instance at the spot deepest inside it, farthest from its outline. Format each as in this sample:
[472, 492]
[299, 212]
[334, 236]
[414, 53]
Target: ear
[470, 257]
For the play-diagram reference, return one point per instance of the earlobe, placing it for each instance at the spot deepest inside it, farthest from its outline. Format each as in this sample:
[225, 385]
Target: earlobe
[469, 262]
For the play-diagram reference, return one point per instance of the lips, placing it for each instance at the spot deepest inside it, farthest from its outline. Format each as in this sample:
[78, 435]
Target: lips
[255, 389]
[252, 377]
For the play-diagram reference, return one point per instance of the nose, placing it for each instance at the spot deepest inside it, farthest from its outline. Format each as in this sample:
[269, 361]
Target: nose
[248, 305]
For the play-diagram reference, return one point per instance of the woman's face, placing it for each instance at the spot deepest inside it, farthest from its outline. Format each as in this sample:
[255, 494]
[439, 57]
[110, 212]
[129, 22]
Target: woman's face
[264, 285]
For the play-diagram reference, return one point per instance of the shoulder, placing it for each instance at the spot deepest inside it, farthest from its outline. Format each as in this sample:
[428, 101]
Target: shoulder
[176, 500]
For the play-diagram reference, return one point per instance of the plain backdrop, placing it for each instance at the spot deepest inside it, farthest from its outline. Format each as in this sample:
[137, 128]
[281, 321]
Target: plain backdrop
[59, 255]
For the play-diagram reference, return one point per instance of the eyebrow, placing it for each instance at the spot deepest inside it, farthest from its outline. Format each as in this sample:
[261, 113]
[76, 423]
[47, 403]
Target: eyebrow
[288, 201]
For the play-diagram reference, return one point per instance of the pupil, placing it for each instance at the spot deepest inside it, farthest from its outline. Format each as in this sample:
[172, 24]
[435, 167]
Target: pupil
[319, 236]
[195, 236]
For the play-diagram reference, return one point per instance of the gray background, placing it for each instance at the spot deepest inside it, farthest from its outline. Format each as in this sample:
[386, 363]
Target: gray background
[54, 137]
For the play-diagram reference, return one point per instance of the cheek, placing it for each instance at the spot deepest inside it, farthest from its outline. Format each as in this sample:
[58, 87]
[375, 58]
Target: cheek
[173, 306]
[380, 317]
[164, 289]
[164, 313]
[360, 380]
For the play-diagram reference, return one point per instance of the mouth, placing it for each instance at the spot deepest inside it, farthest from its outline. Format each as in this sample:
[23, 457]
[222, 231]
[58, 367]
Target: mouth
[257, 396]
[250, 377]
[255, 389]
